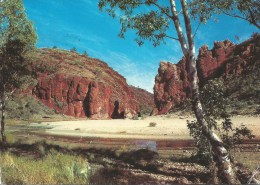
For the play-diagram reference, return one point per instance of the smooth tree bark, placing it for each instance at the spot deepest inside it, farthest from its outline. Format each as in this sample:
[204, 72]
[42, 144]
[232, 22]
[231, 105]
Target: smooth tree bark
[220, 151]
[3, 119]
[4, 97]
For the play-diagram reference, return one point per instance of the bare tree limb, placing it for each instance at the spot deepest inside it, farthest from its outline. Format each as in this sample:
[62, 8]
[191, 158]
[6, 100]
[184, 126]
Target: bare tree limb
[170, 37]
[196, 30]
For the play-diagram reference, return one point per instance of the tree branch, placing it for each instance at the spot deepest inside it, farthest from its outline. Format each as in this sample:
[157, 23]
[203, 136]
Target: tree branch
[162, 10]
[187, 25]
[170, 37]
[178, 28]
[243, 18]
[196, 30]
[180, 12]
[167, 14]
[253, 19]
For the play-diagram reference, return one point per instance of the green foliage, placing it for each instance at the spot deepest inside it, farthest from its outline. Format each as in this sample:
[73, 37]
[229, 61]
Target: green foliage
[151, 18]
[214, 106]
[214, 102]
[17, 36]
[138, 15]
[233, 136]
[54, 168]
[25, 108]
[14, 24]
[246, 10]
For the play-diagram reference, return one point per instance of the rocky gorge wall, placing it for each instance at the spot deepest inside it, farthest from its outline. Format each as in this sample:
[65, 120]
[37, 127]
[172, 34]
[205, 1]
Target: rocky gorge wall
[225, 60]
[74, 95]
[80, 86]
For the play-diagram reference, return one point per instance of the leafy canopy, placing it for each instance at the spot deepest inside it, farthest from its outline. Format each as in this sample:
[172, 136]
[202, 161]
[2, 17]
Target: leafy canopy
[148, 17]
[214, 105]
[17, 36]
[248, 10]
[151, 19]
[15, 24]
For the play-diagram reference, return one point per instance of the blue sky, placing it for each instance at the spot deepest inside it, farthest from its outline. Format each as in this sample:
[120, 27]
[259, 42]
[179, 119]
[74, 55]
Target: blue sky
[80, 24]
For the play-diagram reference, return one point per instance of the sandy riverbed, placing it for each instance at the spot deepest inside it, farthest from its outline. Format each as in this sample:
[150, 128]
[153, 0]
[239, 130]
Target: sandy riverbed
[166, 127]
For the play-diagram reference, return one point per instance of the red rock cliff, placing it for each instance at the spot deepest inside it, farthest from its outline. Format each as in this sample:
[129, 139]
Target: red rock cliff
[225, 60]
[80, 86]
[171, 86]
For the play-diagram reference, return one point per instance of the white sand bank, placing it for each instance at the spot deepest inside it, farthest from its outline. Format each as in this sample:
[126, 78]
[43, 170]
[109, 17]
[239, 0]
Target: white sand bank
[166, 128]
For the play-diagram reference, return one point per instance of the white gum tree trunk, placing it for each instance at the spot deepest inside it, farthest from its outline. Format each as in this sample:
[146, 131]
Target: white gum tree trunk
[220, 151]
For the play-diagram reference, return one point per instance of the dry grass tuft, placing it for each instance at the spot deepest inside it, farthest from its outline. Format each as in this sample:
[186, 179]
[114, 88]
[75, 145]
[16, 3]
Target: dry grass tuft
[152, 124]
[54, 168]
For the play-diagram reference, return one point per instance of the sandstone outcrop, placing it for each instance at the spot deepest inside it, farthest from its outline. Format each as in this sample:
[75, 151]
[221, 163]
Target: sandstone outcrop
[171, 86]
[225, 60]
[80, 86]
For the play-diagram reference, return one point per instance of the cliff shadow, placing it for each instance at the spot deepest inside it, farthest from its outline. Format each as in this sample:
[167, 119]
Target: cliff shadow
[86, 103]
[116, 114]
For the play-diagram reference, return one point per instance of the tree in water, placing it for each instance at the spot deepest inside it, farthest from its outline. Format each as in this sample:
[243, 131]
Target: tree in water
[151, 19]
[17, 36]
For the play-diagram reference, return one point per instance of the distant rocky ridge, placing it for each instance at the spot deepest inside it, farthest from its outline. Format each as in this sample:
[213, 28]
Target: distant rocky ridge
[236, 64]
[80, 86]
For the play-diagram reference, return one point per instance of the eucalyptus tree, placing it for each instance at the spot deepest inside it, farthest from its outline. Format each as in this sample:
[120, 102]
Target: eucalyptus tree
[155, 20]
[17, 36]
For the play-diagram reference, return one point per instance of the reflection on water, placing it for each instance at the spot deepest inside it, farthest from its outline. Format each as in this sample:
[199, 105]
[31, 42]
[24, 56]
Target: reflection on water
[144, 144]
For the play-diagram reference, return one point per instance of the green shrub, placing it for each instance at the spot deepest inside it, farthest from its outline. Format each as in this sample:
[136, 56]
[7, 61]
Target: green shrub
[214, 106]
[25, 107]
